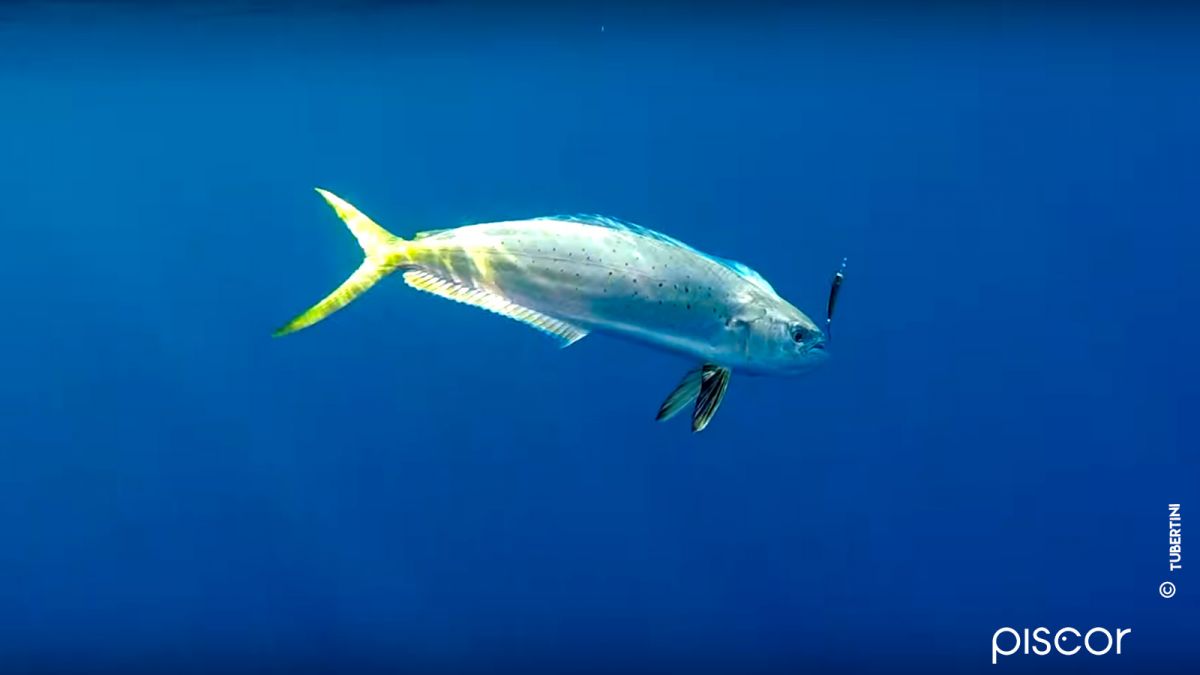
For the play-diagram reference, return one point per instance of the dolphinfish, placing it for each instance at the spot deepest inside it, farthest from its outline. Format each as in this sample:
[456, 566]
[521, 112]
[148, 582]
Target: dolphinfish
[569, 276]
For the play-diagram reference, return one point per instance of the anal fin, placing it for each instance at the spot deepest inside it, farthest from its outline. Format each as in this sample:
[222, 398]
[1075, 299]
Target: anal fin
[568, 333]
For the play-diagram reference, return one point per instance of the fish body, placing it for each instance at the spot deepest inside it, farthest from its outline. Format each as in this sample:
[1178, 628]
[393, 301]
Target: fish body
[573, 275]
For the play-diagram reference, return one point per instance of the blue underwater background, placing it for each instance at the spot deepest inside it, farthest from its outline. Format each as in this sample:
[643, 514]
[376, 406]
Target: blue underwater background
[417, 486]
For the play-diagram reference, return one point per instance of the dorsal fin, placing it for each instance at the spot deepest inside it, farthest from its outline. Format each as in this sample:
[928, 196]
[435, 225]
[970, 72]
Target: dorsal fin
[746, 272]
[617, 224]
[741, 269]
[421, 280]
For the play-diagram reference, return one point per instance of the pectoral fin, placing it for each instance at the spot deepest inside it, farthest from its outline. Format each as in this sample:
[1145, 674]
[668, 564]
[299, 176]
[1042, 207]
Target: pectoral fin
[706, 386]
[685, 392]
[714, 380]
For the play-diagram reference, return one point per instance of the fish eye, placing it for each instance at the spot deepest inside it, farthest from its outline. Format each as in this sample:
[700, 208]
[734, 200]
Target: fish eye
[798, 334]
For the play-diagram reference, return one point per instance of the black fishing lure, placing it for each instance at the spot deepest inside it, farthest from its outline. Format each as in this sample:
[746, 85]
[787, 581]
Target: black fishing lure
[833, 296]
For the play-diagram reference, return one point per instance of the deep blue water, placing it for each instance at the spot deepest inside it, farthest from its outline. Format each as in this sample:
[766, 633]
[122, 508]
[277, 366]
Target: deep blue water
[414, 484]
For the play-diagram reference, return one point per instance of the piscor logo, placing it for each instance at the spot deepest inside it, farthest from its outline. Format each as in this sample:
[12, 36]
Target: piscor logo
[1067, 641]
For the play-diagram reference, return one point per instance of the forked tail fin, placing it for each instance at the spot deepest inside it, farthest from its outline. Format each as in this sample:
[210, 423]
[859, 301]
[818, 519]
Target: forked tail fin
[383, 253]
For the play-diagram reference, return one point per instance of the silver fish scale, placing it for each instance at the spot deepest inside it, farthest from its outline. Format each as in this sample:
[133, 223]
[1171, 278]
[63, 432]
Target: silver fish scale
[602, 275]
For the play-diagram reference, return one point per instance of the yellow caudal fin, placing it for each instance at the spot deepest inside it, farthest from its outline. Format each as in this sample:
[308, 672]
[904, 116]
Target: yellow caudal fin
[383, 253]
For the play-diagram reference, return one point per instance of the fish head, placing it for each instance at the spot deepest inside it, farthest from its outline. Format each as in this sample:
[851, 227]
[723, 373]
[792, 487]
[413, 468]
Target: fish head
[782, 339]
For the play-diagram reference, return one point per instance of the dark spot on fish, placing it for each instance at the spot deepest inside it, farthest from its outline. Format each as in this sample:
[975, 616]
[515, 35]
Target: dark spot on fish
[660, 284]
[689, 306]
